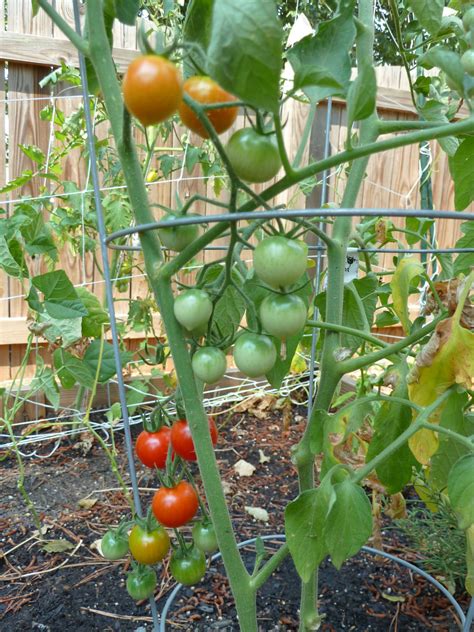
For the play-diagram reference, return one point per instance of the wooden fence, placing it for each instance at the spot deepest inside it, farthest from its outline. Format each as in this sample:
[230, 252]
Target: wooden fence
[29, 48]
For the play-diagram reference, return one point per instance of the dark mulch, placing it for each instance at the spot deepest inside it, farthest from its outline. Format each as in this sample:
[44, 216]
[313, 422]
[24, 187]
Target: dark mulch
[77, 590]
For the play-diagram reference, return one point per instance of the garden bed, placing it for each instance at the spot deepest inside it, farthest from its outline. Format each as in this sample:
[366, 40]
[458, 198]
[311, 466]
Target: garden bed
[77, 498]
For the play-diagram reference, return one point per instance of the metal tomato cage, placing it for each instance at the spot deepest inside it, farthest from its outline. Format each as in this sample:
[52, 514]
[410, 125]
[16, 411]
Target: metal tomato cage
[106, 241]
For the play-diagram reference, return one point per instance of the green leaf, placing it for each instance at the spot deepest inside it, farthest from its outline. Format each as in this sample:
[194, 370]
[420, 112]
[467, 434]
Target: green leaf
[107, 366]
[436, 112]
[245, 50]
[362, 95]
[460, 166]
[71, 368]
[465, 261]
[197, 30]
[391, 420]
[127, 11]
[18, 182]
[96, 317]
[407, 270]
[429, 13]
[448, 61]
[67, 330]
[34, 153]
[7, 263]
[44, 382]
[325, 56]
[34, 8]
[61, 300]
[228, 312]
[304, 527]
[136, 394]
[450, 450]
[349, 523]
[461, 490]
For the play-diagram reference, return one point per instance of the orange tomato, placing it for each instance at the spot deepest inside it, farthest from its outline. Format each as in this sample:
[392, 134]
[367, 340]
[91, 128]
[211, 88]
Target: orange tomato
[205, 90]
[152, 89]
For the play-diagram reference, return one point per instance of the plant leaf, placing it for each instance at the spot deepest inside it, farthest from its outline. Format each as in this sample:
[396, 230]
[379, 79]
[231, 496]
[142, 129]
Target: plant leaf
[407, 270]
[461, 490]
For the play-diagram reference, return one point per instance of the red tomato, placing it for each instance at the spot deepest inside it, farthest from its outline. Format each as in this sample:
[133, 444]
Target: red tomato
[182, 441]
[152, 447]
[206, 91]
[175, 506]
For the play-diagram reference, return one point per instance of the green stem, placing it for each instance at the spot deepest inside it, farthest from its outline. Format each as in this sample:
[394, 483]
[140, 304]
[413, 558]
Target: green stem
[354, 364]
[391, 127]
[361, 474]
[466, 441]
[347, 330]
[281, 147]
[79, 42]
[267, 569]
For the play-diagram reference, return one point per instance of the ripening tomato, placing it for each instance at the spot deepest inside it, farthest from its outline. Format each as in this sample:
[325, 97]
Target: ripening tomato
[182, 441]
[188, 567]
[280, 261]
[152, 447]
[175, 506]
[209, 364]
[193, 309]
[204, 537]
[141, 583]
[206, 91]
[152, 89]
[253, 156]
[114, 545]
[148, 546]
[254, 354]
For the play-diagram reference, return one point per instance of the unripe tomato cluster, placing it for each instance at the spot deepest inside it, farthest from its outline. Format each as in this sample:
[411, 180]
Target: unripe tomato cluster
[173, 506]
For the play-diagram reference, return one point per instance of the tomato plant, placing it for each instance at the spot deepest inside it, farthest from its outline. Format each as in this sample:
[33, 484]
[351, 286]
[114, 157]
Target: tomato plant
[253, 156]
[114, 545]
[188, 567]
[175, 506]
[254, 354]
[204, 537]
[193, 309]
[283, 315]
[178, 237]
[141, 583]
[209, 364]
[152, 447]
[280, 261]
[148, 546]
[207, 92]
[152, 89]
[182, 440]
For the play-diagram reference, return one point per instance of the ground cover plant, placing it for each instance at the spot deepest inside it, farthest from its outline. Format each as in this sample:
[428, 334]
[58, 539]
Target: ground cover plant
[262, 312]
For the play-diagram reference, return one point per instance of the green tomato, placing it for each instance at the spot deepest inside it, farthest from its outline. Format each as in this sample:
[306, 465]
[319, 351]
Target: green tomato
[188, 568]
[467, 61]
[254, 157]
[468, 20]
[209, 364]
[114, 545]
[283, 315]
[192, 309]
[204, 537]
[280, 261]
[148, 546]
[178, 237]
[254, 354]
[141, 583]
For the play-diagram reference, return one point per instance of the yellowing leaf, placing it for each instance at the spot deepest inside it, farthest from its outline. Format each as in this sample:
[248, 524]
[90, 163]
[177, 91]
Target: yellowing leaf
[406, 271]
[298, 364]
[58, 546]
[87, 503]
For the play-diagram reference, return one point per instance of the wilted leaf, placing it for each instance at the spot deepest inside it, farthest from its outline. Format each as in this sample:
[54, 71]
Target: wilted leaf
[58, 546]
[258, 513]
[243, 468]
[87, 503]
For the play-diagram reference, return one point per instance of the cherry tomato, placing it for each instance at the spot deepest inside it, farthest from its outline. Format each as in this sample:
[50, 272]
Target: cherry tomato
[204, 537]
[254, 354]
[148, 547]
[178, 237]
[193, 309]
[182, 441]
[205, 90]
[188, 567]
[152, 447]
[467, 61]
[114, 545]
[283, 315]
[175, 506]
[152, 89]
[280, 261]
[209, 364]
[141, 583]
[254, 157]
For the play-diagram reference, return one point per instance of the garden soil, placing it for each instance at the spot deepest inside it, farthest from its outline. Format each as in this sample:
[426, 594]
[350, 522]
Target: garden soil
[62, 583]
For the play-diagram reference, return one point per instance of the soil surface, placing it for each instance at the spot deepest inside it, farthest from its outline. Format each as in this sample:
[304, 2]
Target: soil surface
[69, 586]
